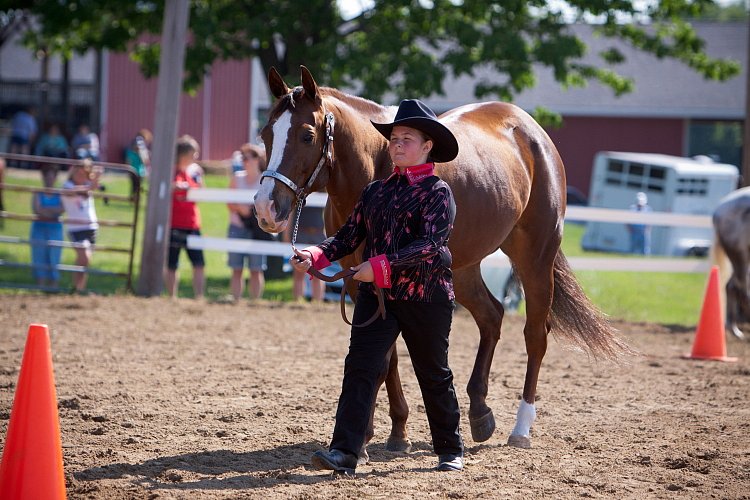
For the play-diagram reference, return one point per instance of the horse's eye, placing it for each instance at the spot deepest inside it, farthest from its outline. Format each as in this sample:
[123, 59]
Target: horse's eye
[308, 138]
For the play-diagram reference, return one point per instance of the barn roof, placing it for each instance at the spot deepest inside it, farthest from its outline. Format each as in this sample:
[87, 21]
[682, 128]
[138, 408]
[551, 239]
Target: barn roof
[664, 88]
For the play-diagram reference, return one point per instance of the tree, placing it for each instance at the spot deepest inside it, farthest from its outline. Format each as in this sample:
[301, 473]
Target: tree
[735, 11]
[398, 46]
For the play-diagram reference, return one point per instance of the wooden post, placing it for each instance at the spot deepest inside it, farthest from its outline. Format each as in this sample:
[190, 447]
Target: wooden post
[169, 89]
[746, 124]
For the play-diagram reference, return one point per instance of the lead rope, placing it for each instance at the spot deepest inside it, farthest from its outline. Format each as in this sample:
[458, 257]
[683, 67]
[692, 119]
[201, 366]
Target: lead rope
[346, 275]
[300, 203]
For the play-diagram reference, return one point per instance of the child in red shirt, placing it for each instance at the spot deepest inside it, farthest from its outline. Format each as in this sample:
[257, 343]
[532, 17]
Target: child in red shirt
[186, 217]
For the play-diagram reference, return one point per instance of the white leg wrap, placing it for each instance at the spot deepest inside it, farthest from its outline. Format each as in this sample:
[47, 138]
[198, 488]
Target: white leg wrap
[524, 418]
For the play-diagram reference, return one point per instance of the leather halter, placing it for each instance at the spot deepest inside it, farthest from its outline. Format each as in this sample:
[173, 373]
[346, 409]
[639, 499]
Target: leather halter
[301, 195]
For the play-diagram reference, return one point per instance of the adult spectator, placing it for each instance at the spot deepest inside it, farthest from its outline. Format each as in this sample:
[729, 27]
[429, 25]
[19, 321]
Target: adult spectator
[45, 257]
[311, 229]
[51, 144]
[2, 179]
[186, 219]
[138, 152]
[640, 234]
[244, 225]
[85, 143]
[23, 130]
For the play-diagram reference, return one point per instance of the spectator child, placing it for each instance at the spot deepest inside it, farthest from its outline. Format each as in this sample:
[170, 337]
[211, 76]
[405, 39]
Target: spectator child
[45, 258]
[186, 219]
[81, 214]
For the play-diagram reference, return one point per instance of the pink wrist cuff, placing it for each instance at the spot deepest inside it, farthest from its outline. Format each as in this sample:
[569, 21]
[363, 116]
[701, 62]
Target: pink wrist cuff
[319, 260]
[381, 269]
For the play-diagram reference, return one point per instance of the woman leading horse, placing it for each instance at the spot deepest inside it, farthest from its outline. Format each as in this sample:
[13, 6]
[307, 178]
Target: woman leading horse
[508, 182]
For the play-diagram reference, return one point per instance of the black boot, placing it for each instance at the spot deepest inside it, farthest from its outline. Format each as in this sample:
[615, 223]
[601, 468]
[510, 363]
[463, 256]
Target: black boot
[335, 460]
[450, 462]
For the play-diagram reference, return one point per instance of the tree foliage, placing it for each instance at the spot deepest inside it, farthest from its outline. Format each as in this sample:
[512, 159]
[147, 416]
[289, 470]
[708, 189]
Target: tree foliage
[403, 47]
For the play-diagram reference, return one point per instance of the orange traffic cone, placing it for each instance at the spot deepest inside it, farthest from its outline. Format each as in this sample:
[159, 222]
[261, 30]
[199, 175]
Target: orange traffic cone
[32, 465]
[709, 340]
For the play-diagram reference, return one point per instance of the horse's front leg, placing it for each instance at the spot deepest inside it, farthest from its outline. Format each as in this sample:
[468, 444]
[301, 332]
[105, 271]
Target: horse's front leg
[399, 409]
[488, 313]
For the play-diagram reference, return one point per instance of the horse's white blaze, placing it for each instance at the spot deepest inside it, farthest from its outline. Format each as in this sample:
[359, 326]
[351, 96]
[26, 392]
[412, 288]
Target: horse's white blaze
[264, 205]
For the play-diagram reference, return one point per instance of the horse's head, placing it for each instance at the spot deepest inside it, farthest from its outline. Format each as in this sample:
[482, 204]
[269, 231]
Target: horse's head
[297, 144]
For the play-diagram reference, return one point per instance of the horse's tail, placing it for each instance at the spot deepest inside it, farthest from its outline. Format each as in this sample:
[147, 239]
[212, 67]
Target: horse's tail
[576, 319]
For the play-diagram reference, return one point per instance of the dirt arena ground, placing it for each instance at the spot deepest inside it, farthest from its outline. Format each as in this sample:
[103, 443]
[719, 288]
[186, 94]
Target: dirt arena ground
[178, 399]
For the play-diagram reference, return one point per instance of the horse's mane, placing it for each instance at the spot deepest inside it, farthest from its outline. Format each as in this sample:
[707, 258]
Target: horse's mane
[366, 106]
[361, 104]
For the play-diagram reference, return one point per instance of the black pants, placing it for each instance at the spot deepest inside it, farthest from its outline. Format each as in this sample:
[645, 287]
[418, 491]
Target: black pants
[425, 327]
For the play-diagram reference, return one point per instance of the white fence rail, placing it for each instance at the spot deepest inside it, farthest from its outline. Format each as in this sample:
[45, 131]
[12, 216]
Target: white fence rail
[640, 264]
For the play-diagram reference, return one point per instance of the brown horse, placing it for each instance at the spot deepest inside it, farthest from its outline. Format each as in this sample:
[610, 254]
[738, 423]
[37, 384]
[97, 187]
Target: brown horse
[731, 221]
[509, 186]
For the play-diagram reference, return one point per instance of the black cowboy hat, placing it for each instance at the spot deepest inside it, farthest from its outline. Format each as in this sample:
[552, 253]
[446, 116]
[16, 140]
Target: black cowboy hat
[415, 114]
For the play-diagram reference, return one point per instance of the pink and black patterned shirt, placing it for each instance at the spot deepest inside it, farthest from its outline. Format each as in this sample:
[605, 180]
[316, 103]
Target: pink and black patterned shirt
[404, 221]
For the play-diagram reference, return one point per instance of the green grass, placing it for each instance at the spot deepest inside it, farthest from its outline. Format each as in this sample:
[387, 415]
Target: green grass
[669, 298]
[215, 218]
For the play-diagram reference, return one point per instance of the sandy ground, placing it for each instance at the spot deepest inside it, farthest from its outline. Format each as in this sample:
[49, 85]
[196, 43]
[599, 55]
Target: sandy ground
[178, 399]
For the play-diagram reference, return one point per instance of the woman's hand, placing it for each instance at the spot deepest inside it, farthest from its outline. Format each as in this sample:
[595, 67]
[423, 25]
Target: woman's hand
[364, 272]
[301, 260]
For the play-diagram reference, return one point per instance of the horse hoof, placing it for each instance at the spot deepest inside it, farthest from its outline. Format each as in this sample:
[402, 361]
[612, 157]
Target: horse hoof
[402, 445]
[737, 332]
[483, 427]
[519, 441]
[363, 458]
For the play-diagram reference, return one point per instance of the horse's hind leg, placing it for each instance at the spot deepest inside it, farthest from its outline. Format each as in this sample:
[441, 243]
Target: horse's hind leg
[535, 269]
[488, 313]
[737, 297]
[738, 301]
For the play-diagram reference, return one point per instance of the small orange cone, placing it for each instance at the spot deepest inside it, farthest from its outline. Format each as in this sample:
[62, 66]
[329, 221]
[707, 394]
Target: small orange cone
[32, 465]
[709, 340]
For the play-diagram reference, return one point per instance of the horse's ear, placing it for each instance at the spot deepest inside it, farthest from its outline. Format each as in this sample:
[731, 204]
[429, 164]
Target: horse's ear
[276, 83]
[308, 83]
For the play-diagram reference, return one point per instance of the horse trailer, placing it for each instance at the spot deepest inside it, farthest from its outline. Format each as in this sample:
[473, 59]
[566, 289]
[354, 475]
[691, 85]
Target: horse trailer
[672, 184]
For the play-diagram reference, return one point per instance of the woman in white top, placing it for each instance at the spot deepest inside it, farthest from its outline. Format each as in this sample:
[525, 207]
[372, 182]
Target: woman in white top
[81, 220]
[243, 224]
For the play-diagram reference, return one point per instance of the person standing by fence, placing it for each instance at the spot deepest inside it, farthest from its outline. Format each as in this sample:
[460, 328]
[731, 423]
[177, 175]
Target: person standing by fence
[311, 228]
[244, 225]
[138, 153]
[186, 219]
[23, 130]
[640, 234]
[52, 144]
[81, 214]
[85, 143]
[48, 207]
[2, 180]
